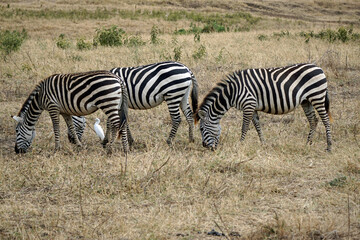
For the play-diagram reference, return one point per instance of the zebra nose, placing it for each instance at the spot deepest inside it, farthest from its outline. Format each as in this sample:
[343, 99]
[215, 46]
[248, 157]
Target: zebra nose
[204, 145]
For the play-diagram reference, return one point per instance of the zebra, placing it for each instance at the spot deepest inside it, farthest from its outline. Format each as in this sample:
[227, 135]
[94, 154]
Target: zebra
[74, 94]
[274, 90]
[149, 85]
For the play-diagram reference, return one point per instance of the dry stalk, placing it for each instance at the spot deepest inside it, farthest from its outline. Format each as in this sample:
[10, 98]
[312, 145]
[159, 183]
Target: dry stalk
[222, 221]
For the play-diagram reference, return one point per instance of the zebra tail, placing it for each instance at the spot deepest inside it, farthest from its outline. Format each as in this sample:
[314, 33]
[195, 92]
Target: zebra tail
[123, 111]
[327, 106]
[194, 95]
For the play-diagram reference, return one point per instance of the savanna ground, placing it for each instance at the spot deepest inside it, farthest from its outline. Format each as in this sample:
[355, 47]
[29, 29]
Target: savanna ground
[283, 189]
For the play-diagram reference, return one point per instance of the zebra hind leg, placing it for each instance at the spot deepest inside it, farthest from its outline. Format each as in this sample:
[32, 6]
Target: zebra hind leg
[256, 122]
[320, 108]
[176, 120]
[311, 117]
[107, 133]
[129, 136]
[189, 118]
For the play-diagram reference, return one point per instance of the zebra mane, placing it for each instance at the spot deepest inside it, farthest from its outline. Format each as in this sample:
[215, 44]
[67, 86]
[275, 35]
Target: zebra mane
[212, 94]
[26, 105]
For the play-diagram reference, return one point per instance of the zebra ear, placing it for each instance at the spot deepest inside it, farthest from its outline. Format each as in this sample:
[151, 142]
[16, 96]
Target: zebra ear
[18, 119]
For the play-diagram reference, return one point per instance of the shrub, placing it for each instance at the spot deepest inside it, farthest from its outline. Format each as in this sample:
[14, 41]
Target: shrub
[62, 42]
[154, 35]
[134, 41]
[82, 45]
[11, 41]
[177, 53]
[262, 37]
[112, 36]
[200, 52]
[342, 34]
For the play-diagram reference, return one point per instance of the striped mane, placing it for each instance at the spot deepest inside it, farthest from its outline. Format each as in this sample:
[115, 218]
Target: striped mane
[212, 94]
[28, 101]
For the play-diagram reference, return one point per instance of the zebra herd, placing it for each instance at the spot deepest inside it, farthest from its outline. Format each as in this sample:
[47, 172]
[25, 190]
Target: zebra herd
[273, 90]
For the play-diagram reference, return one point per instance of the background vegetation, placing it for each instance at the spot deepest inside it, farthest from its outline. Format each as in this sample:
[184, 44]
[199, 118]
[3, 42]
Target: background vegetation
[280, 190]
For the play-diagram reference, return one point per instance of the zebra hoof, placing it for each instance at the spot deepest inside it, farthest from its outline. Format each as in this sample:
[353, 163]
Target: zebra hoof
[169, 142]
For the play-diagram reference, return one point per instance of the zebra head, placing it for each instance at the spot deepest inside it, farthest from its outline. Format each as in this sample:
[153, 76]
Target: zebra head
[210, 130]
[24, 135]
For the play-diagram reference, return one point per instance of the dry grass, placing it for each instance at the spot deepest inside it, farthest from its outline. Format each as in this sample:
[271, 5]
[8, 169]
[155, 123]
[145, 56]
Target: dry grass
[280, 190]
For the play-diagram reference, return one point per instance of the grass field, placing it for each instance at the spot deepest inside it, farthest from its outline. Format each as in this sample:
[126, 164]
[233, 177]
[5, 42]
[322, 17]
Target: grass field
[282, 189]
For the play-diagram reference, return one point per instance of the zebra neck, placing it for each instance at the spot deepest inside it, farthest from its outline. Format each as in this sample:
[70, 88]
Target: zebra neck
[220, 99]
[31, 109]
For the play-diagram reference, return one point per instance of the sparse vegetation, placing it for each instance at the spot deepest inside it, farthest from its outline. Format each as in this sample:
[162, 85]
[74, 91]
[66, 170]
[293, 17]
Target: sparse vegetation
[112, 37]
[63, 42]
[11, 41]
[342, 34]
[282, 189]
[81, 44]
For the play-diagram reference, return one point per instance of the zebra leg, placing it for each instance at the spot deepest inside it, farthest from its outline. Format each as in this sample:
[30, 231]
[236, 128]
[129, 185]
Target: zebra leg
[54, 115]
[247, 117]
[71, 128]
[107, 133]
[129, 136]
[79, 125]
[176, 120]
[311, 117]
[189, 118]
[256, 122]
[320, 108]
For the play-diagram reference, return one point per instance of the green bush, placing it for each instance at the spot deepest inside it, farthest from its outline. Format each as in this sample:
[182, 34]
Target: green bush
[177, 53]
[342, 34]
[112, 36]
[262, 37]
[200, 52]
[154, 35]
[134, 41]
[11, 41]
[82, 45]
[62, 42]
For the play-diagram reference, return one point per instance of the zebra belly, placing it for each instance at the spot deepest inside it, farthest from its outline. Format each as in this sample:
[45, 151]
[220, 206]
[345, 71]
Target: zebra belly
[149, 104]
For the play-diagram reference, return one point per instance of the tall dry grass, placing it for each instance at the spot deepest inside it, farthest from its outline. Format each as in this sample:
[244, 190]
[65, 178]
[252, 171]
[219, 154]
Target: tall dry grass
[283, 189]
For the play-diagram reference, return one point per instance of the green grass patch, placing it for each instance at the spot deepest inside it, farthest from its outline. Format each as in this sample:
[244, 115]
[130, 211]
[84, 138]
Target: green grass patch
[342, 34]
[12, 41]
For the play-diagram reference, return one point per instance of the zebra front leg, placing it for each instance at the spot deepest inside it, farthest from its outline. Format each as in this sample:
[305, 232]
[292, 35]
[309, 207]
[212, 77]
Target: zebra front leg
[71, 128]
[54, 115]
[256, 122]
[247, 117]
[311, 117]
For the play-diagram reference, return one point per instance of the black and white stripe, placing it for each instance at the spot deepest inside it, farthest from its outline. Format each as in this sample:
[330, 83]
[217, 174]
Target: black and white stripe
[150, 85]
[76, 94]
[274, 90]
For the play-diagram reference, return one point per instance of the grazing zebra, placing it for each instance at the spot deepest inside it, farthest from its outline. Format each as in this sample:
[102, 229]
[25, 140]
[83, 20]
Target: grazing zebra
[74, 94]
[150, 85]
[274, 90]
